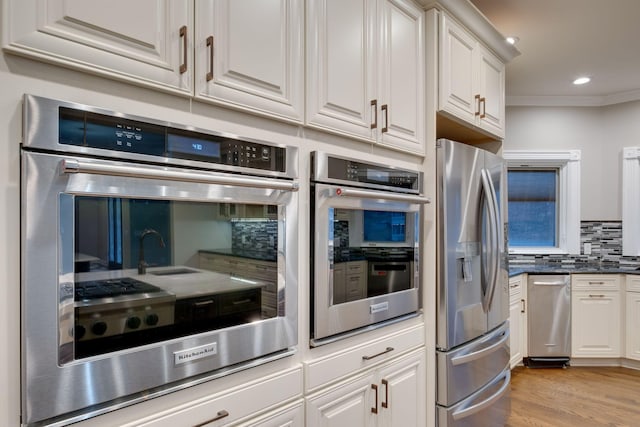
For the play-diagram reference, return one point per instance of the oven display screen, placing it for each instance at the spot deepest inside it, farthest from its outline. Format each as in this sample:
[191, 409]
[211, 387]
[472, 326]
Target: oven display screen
[195, 146]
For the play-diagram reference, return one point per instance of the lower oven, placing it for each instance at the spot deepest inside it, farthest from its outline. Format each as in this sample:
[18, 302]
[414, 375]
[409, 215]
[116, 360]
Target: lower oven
[366, 247]
[154, 256]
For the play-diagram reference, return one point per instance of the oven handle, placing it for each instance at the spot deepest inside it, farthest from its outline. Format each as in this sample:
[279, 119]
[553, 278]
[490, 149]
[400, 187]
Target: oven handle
[365, 194]
[76, 166]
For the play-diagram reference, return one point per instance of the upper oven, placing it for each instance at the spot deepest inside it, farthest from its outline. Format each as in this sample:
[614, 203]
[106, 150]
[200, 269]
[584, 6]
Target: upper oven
[154, 256]
[366, 248]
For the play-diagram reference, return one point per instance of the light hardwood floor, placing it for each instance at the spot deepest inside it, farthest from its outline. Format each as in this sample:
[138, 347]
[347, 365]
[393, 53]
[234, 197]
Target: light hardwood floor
[575, 397]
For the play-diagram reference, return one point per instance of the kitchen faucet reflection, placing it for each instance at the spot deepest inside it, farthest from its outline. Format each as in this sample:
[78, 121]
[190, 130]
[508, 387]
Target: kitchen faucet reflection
[142, 264]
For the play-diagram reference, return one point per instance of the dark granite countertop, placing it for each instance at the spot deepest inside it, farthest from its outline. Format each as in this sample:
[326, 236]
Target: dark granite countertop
[517, 269]
[257, 255]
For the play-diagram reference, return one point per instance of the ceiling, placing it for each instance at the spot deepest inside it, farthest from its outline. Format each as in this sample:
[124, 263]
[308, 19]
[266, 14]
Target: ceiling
[561, 40]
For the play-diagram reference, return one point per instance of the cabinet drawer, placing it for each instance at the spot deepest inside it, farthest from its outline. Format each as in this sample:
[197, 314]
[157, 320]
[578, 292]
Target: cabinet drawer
[633, 283]
[238, 403]
[340, 364]
[516, 285]
[356, 267]
[596, 282]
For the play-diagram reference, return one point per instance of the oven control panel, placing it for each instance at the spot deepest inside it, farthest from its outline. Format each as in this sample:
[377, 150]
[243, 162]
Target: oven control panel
[122, 134]
[350, 171]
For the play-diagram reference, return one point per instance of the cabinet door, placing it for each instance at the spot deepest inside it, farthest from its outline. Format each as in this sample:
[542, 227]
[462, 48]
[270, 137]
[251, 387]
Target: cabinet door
[515, 332]
[249, 55]
[633, 320]
[146, 42]
[457, 86]
[595, 324]
[491, 90]
[402, 393]
[341, 66]
[401, 93]
[349, 404]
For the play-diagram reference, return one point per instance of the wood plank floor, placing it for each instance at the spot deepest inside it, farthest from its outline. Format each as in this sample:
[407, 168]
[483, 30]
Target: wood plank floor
[575, 397]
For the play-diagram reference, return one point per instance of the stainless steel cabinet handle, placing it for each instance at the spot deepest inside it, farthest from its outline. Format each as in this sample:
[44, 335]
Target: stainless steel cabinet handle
[596, 283]
[385, 108]
[385, 404]
[203, 303]
[183, 35]
[477, 98]
[77, 166]
[483, 103]
[387, 350]
[242, 301]
[524, 306]
[374, 104]
[596, 296]
[366, 194]
[375, 389]
[210, 46]
[220, 415]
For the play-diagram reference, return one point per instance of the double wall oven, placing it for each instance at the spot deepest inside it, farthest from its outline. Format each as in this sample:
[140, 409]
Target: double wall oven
[154, 256]
[366, 245]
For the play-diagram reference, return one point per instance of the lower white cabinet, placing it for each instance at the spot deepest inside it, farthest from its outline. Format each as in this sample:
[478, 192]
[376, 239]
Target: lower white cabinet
[596, 315]
[391, 395]
[517, 319]
[633, 317]
[236, 406]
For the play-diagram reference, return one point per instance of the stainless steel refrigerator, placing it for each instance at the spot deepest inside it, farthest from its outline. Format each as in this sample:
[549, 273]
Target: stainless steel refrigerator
[473, 292]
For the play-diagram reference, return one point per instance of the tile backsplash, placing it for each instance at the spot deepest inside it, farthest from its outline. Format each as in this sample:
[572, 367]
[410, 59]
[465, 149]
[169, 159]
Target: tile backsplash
[605, 238]
[259, 237]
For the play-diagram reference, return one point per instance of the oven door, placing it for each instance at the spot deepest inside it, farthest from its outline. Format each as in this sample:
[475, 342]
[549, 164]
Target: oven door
[138, 279]
[366, 255]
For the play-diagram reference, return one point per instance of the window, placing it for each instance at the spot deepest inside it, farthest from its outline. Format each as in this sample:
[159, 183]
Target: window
[544, 201]
[630, 201]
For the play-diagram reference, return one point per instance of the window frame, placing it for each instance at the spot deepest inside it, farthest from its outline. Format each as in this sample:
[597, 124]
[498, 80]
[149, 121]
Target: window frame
[630, 201]
[567, 162]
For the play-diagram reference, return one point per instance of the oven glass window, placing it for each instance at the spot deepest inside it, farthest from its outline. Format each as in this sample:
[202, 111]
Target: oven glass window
[151, 270]
[373, 253]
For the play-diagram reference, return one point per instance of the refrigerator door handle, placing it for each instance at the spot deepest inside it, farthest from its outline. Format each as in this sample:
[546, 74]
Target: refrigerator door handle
[494, 246]
[470, 357]
[487, 402]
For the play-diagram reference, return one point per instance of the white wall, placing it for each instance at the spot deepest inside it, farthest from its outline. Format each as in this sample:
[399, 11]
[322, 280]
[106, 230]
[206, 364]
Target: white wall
[599, 132]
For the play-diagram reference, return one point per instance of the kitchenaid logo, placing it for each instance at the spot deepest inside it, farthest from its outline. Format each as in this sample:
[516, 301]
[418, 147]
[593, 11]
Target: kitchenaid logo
[195, 353]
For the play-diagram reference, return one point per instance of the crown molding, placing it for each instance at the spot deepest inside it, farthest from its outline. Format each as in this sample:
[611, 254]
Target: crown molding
[572, 101]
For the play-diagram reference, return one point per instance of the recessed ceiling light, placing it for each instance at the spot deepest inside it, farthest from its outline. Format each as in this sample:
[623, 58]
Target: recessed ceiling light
[581, 80]
[512, 40]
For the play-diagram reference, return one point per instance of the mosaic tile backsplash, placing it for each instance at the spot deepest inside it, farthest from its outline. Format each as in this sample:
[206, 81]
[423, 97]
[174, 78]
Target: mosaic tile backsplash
[260, 237]
[606, 249]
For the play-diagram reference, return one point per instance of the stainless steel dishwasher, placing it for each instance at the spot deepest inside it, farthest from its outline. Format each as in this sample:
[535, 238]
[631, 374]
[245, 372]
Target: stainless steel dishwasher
[549, 330]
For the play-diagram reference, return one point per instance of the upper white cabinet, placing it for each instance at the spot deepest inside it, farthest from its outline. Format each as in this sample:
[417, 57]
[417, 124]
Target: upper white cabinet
[146, 41]
[471, 79]
[249, 55]
[365, 70]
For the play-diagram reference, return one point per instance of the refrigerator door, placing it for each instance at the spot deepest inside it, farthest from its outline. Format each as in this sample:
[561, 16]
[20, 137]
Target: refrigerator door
[468, 368]
[496, 171]
[461, 315]
[488, 407]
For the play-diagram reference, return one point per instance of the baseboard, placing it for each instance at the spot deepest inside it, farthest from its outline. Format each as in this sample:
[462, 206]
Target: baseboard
[605, 362]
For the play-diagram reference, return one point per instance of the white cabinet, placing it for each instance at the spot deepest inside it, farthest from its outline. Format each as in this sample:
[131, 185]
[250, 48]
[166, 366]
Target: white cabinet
[392, 395]
[517, 319]
[596, 314]
[249, 55]
[633, 317]
[365, 70]
[471, 79]
[237, 406]
[145, 42]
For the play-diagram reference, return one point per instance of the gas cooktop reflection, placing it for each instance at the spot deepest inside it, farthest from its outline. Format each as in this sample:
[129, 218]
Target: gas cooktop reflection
[111, 288]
